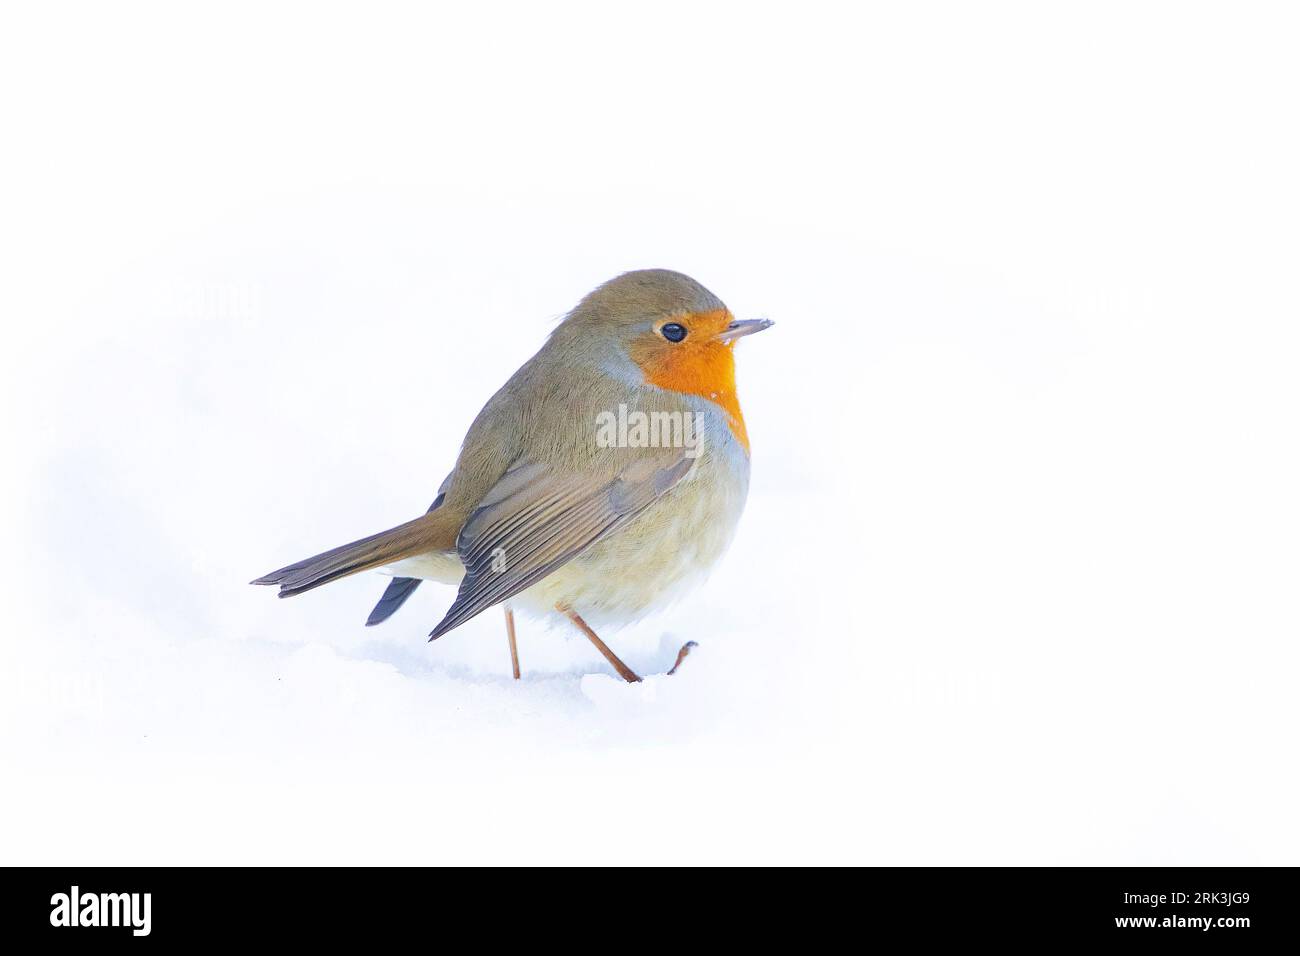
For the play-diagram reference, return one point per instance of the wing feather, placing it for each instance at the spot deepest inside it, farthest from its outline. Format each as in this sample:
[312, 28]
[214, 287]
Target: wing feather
[534, 521]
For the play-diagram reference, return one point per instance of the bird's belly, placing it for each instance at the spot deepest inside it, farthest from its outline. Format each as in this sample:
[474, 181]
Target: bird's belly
[658, 555]
[441, 566]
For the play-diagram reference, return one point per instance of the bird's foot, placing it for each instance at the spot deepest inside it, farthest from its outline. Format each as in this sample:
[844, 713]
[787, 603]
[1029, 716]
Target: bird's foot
[681, 656]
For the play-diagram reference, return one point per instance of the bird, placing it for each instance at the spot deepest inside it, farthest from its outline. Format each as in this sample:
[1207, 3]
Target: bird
[604, 478]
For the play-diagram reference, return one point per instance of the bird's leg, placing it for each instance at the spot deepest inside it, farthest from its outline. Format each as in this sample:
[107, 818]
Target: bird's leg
[681, 656]
[624, 671]
[510, 634]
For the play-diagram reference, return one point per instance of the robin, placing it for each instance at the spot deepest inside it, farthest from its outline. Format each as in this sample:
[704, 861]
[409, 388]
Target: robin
[608, 473]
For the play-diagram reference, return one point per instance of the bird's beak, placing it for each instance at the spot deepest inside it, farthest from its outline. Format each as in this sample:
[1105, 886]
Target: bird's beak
[743, 327]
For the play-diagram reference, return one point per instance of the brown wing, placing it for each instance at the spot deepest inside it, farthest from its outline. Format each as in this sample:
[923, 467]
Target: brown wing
[533, 521]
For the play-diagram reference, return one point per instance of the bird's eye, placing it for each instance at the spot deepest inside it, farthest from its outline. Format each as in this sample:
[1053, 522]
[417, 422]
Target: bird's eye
[674, 332]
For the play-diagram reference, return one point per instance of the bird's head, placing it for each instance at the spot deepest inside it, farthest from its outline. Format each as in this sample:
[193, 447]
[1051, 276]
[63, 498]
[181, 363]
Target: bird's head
[665, 329]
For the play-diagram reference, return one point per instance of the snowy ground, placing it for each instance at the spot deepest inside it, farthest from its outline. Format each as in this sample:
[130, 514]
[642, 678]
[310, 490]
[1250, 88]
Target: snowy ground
[1016, 582]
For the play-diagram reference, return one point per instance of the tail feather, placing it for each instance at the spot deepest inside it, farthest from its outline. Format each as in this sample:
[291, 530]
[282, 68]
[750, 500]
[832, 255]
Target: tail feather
[395, 596]
[429, 532]
[399, 590]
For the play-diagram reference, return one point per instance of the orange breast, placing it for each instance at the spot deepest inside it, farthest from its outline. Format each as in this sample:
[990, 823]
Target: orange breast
[700, 365]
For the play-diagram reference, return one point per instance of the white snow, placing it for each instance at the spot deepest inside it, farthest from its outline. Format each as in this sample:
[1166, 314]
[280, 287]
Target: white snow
[1016, 581]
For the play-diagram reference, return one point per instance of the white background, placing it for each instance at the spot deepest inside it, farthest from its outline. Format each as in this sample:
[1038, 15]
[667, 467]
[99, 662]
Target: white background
[1017, 578]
